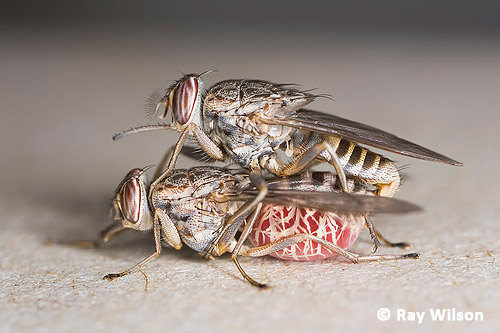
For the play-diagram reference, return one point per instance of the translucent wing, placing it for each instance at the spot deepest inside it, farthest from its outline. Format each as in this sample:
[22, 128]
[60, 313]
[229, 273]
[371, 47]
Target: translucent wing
[335, 202]
[357, 132]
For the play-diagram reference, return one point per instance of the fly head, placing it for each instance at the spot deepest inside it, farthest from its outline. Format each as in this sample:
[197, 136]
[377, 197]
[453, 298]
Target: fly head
[130, 203]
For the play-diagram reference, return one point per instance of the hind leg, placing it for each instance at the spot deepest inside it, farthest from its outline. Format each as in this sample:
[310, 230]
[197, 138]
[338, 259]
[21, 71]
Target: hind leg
[295, 239]
[377, 237]
[306, 158]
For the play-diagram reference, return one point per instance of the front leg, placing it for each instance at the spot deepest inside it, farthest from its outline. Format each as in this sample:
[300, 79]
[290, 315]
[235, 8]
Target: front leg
[170, 233]
[177, 150]
[171, 164]
[161, 222]
[104, 236]
[207, 144]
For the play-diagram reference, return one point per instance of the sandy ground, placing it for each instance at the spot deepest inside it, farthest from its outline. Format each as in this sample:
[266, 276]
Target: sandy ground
[65, 93]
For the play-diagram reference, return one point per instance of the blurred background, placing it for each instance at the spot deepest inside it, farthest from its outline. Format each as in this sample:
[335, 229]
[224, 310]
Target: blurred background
[73, 73]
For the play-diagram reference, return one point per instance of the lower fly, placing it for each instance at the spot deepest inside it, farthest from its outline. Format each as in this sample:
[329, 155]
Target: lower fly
[199, 208]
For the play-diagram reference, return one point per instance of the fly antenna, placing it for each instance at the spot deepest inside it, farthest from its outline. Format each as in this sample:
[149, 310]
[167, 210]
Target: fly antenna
[146, 168]
[208, 72]
[140, 129]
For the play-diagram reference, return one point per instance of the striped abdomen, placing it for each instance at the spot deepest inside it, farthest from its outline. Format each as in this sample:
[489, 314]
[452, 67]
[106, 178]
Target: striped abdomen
[367, 165]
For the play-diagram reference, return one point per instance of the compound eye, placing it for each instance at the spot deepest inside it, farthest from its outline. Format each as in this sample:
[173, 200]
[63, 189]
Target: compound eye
[130, 199]
[184, 99]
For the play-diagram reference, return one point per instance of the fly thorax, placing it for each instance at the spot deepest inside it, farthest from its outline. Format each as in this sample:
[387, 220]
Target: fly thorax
[234, 206]
[248, 126]
[199, 230]
[269, 162]
[211, 208]
[205, 189]
[289, 147]
[273, 131]
[174, 187]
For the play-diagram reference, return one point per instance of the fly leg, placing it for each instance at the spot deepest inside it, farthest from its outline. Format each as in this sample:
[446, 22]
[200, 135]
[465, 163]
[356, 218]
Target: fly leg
[295, 239]
[171, 164]
[373, 234]
[236, 251]
[234, 222]
[109, 233]
[104, 236]
[177, 150]
[163, 162]
[205, 142]
[377, 237]
[305, 158]
[177, 147]
[401, 245]
[161, 223]
[232, 225]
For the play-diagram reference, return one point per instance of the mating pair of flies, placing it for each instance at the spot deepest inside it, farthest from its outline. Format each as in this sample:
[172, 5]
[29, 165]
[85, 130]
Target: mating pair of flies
[272, 204]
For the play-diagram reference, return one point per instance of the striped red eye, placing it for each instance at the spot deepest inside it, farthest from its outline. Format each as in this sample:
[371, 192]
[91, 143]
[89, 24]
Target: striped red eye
[130, 199]
[184, 99]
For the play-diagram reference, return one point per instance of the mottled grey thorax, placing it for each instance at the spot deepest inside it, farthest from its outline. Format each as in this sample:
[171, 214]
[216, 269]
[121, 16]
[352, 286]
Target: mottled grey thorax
[186, 196]
[243, 147]
[196, 229]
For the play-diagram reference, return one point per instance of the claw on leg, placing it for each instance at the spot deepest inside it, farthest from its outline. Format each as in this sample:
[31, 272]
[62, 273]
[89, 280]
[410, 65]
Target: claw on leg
[401, 245]
[373, 234]
[245, 275]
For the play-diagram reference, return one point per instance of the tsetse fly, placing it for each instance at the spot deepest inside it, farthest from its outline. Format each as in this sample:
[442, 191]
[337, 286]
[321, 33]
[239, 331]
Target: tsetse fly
[255, 122]
[250, 121]
[199, 207]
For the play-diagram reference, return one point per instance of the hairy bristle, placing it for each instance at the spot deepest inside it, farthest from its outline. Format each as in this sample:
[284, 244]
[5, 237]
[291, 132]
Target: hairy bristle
[196, 153]
[105, 210]
[327, 96]
[151, 102]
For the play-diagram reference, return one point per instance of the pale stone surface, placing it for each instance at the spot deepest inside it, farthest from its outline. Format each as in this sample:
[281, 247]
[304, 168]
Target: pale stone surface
[63, 95]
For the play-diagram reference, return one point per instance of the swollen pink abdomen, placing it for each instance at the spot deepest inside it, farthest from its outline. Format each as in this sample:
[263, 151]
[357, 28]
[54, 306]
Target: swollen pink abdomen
[275, 222]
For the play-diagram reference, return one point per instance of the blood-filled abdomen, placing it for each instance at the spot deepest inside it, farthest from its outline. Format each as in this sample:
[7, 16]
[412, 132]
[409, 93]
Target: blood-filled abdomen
[275, 222]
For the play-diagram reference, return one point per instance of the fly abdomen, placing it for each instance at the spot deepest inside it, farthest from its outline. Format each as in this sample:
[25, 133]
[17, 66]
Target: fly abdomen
[367, 165]
[381, 172]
